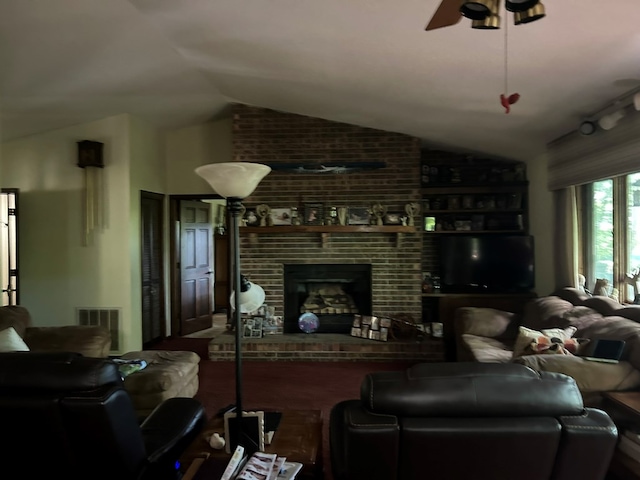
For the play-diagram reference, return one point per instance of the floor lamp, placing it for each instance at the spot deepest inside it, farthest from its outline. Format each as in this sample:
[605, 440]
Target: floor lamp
[235, 181]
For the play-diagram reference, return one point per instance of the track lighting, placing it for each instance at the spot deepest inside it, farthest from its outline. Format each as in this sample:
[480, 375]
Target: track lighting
[607, 122]
[587, 128]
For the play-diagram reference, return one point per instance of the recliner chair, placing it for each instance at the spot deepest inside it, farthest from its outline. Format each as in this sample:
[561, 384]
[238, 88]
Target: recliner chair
[69, 416]
[450, 421]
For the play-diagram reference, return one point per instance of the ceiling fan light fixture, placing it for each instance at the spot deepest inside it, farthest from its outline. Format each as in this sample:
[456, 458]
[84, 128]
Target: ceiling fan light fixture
[492, 22]
[476, 9]
[531, 15]
[520, 5]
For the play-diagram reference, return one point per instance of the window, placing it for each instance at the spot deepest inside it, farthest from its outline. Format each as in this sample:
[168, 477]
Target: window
[610, 233]
[9, 246]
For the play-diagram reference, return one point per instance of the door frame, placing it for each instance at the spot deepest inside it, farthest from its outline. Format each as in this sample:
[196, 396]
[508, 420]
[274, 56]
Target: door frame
[160, 198]
[174, 255]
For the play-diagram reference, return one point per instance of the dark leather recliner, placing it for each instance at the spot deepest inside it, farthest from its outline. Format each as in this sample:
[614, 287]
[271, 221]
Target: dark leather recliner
[69, 416]
[449, 421]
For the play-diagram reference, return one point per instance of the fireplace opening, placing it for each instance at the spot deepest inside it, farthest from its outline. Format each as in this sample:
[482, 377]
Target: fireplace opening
[334, 292]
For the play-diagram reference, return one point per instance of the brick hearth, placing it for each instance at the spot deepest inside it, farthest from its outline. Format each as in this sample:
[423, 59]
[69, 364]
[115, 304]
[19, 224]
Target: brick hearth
[326, 347]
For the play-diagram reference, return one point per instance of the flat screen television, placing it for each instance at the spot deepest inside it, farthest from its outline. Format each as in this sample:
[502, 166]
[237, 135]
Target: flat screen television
[487, 264]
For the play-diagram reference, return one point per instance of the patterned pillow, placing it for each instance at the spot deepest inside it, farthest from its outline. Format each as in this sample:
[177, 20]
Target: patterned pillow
[549, 341]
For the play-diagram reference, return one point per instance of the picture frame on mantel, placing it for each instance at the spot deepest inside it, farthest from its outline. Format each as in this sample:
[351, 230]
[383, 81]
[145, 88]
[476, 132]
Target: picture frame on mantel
[281, 216]
[392, 218]
[313, 213]
[359, 216]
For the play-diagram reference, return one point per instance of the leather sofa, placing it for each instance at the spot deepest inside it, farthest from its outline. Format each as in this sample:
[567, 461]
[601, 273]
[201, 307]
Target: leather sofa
[450, 421]
[87, 340]
[68, 416]
[489, 335]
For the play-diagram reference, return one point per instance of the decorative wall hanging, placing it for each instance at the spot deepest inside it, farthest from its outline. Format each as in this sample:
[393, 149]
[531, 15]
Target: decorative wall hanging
[324, 168]
[91, 159]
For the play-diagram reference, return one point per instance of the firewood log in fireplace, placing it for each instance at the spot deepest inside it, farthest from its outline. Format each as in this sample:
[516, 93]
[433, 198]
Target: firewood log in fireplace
[328, 298]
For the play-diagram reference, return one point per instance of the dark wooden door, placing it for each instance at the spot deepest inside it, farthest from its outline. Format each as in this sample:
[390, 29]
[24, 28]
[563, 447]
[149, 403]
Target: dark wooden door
[222, 287]
[153, 313]
[196, 266]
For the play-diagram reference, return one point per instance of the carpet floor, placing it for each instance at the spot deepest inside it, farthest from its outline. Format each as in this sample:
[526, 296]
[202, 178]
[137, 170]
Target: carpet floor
[280, 385]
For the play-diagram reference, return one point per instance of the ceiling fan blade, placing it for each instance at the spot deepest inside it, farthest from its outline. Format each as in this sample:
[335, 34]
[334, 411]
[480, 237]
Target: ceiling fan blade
[447, 14]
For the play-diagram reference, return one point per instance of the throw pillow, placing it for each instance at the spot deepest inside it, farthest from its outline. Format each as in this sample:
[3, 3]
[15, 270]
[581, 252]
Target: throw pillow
[10, 341]
[551, 340]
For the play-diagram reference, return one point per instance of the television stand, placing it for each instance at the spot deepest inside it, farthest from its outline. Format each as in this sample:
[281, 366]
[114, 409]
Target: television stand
[443, 306]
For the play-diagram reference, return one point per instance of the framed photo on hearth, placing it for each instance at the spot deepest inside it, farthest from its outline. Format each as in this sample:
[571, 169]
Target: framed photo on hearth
[252, 326]
[359, 216]
[313, 213]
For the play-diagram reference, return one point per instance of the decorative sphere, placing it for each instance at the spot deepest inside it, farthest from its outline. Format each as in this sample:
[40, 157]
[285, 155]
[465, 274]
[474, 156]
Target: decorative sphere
[308, 322]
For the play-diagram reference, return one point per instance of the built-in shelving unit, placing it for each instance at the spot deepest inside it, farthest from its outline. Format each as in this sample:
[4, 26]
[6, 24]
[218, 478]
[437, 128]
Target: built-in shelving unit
[466, 196]
[496, 208]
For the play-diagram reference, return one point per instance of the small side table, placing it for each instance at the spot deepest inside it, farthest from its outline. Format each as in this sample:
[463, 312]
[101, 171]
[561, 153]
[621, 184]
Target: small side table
[624, 409]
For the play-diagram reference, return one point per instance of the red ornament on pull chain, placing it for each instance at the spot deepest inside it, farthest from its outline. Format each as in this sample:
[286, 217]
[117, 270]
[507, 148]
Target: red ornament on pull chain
[507, 101]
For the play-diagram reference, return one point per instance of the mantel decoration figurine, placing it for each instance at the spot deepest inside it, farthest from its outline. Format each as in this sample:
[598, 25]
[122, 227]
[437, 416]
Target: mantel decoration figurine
[412, 209]
[342, 215]
[378, 211]
[264, 212]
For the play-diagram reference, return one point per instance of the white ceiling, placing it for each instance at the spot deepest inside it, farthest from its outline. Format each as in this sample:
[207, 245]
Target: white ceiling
[368, 62]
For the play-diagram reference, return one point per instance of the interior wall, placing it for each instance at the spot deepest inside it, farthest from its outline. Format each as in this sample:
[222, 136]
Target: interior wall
[147, 173]
[541, 224]
[191, 147]
[58, 273]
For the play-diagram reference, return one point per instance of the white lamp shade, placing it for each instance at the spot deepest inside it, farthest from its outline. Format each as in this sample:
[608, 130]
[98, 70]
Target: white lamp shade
[233, 179]
[250, 300]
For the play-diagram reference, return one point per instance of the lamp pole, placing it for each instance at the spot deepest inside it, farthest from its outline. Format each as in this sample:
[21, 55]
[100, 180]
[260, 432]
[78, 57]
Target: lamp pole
[235, 209]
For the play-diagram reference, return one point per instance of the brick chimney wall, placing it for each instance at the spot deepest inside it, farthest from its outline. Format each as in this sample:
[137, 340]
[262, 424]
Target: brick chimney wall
[271, 137]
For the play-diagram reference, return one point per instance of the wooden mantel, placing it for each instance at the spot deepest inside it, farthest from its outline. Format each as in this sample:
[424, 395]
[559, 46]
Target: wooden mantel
[327, 230]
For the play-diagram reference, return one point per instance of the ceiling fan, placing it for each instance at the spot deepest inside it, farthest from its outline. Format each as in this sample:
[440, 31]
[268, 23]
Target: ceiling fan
[485, 14]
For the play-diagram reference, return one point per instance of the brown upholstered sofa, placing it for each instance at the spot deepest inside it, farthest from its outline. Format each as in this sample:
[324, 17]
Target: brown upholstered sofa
[455, 421]
[167, 374]
[89, 341]
[489, 335]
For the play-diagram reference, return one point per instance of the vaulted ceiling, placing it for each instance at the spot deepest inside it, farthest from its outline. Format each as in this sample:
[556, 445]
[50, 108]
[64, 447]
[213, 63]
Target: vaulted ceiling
[367, 62]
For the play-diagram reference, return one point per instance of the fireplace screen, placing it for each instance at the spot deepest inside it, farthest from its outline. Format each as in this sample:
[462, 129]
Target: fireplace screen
[335, 293]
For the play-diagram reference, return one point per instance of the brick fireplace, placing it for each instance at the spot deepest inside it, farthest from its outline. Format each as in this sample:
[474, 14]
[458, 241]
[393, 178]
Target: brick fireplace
[271, 137]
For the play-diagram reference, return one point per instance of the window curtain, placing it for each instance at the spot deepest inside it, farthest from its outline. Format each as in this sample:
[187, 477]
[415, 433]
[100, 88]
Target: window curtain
[565, 242]
[576, 159]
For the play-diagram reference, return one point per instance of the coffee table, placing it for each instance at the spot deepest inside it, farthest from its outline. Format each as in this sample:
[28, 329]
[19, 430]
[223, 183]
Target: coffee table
[298, 437]
[624, 409]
